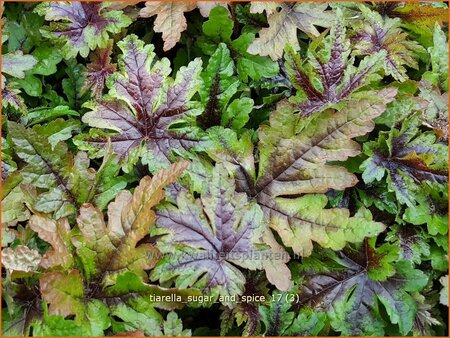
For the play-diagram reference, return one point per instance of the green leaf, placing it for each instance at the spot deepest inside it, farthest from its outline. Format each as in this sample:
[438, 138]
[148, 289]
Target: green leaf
[41, 115]
[218, 29]
[73, 84]
[307, 323]
[47, 58]
[277, 318]
[352, 298]
[438, 75]
[65, 178]
[58, 130]
[220, 84]
[153, 295]
[431, 210]
[147, 320]
[13, 200]
[219, 26]
[255, 67]
[173, 326]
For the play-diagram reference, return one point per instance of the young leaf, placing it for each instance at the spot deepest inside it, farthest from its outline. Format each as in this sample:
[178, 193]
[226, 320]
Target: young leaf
[283, 25]
[98, 71]
[333, 68]
[377, 34]
[409, 158]
[351, 294]
[208, 237]
[142, 104]
[219, 28]
[81, 26]
[220, 85]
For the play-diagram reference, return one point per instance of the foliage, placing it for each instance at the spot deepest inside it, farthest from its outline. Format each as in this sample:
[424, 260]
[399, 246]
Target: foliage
[224, 168]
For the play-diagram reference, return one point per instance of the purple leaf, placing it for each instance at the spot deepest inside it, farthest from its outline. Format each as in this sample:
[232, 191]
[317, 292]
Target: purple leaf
[333, 67]
[352, 290]
[98, 71]
[142, 104]
[376, 34]
[207, 239]
[409, 157]
[82, 26]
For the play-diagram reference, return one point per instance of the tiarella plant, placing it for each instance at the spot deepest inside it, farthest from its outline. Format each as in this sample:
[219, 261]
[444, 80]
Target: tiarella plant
[224, 168]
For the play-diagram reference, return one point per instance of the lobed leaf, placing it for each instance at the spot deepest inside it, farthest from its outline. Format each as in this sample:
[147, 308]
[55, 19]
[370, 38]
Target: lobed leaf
[209, 237]
[408, 157]
[170, 20]
[81, 26]
[283, 25]
[65, 179]
[98, 71]
[142, 104]
[439, 60]
[293, 163]
[329, 76]
[56, 233]
[376, 34]
[351, 292]
[218, 29]
[107, 250]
